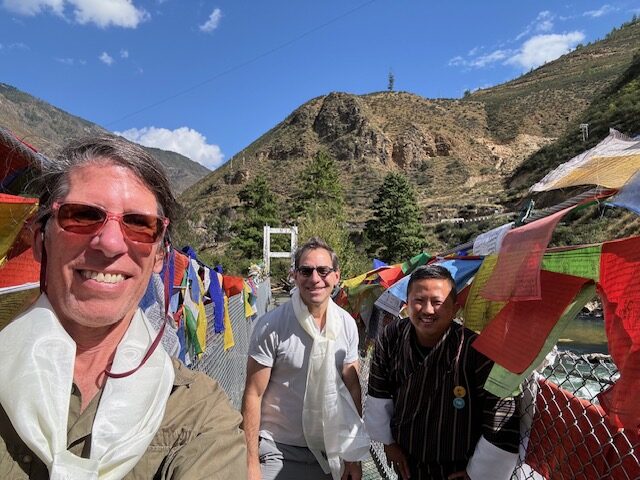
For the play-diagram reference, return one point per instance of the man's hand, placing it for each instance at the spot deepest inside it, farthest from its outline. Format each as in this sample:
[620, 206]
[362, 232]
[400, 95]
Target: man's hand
[398, 460]
[462, 474]
[352, 471]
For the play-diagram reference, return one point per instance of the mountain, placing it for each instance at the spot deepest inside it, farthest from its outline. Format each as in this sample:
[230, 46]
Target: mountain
[47, 128]
[461, 154]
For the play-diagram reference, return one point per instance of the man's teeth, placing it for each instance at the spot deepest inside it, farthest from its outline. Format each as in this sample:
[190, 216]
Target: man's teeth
[103, 277]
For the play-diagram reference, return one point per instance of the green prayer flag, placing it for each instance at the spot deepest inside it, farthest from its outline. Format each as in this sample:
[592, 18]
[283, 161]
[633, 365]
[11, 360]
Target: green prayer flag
[580, 262]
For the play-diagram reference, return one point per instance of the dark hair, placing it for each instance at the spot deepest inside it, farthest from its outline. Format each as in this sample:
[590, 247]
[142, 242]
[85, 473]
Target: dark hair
[53, 181]
[312, 244]
[435, 272]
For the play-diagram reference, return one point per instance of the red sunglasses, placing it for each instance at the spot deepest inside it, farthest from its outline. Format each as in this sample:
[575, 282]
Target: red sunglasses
[83, 219]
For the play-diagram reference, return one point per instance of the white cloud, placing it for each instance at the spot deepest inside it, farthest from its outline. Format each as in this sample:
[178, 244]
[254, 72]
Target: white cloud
[474, 51]
[542, 23]
[14, 46]
[603, 10]
[544, 26]
[124, 53]
[70, 61]
[457, 61]
[103, 13]
[184, 140]
[106, 13]
[544, 48]
[34, 7]
[106, 58]
[482, 60]
[212, 23]
[489, 58]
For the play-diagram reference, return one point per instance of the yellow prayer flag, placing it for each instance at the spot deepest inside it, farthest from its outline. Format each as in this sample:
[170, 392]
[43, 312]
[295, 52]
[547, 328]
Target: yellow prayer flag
[478, 311]
[228, 332]
[201, 331]
[354, 282]
[14, 211]
[248, 310]
[606, 171]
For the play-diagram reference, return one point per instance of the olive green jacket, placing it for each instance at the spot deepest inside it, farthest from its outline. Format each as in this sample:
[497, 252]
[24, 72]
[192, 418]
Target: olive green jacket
[199, 437]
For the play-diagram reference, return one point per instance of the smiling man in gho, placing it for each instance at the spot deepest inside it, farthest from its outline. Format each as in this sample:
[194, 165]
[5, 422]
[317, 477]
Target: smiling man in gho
[426, 401]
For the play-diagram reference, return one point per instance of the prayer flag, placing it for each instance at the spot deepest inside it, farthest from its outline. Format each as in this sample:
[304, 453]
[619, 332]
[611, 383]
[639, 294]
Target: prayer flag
[228, 339]
[517, 273]
[478, 311]
[515, 337]
[14, 212]
[619, 289]
[629, 195]
[581, 261]
[503, 383]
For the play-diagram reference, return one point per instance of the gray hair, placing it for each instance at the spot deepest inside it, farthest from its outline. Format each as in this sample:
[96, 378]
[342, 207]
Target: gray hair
[312, 244]
[436, 272]
[53, 181]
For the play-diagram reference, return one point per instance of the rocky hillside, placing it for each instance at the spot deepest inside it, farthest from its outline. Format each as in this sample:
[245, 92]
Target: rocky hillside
[47, 128]
[440, 144]
[459, 153]
[546, 100]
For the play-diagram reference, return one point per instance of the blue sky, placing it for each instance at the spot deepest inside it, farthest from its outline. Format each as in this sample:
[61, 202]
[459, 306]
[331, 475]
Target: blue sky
[206, 78]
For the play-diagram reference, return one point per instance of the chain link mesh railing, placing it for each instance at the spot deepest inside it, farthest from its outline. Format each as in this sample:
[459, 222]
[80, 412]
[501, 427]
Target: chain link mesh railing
[565, 433]
[229, 367]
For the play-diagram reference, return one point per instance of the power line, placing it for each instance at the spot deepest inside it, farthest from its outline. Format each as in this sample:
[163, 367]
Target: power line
[243, 64]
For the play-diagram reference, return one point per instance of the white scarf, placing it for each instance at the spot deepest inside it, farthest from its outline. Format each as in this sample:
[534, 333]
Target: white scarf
[38, 358]
[330, 420]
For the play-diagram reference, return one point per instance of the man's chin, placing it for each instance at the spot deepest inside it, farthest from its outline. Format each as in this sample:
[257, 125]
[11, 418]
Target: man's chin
[315, 298]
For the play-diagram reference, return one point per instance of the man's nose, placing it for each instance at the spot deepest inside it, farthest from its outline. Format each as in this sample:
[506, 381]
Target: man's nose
[110, 240]
[428, 308]
[315, 276]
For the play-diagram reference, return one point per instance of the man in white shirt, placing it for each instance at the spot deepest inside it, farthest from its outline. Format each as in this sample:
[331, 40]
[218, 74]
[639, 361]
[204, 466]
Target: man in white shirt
[302, 373]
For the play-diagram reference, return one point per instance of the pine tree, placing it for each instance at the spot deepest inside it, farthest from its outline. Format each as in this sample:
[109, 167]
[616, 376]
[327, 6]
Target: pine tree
[395, 232]
[320, 189]
[259, 208]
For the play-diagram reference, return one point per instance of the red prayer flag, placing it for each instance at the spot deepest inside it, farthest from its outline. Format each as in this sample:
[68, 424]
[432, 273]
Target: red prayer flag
[389, 276]
[20, 269]
[180, 263]
[516, 335]
[232, 285]
[619, 289]
[517, 273]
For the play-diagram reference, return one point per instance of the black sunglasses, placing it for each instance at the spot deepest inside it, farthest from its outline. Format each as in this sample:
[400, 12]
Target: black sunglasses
[307, 271]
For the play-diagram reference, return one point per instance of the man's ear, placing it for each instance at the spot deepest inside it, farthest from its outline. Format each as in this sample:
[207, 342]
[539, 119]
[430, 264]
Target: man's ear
[37, 243]
[159, 261]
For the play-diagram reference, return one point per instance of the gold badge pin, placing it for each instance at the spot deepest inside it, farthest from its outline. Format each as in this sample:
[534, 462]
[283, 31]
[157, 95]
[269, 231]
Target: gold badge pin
[459, 391]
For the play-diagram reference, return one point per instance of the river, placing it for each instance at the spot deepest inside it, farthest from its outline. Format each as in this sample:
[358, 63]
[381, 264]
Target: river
[585, 334]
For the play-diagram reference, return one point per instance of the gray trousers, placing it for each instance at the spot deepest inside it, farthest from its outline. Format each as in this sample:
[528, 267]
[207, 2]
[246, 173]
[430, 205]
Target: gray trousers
[279, 461]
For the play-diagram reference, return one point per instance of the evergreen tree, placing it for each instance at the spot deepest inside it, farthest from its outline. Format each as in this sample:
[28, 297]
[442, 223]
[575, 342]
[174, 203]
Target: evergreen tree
[352, 261]
[259, 209]
[395, 232]
[319, 189]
